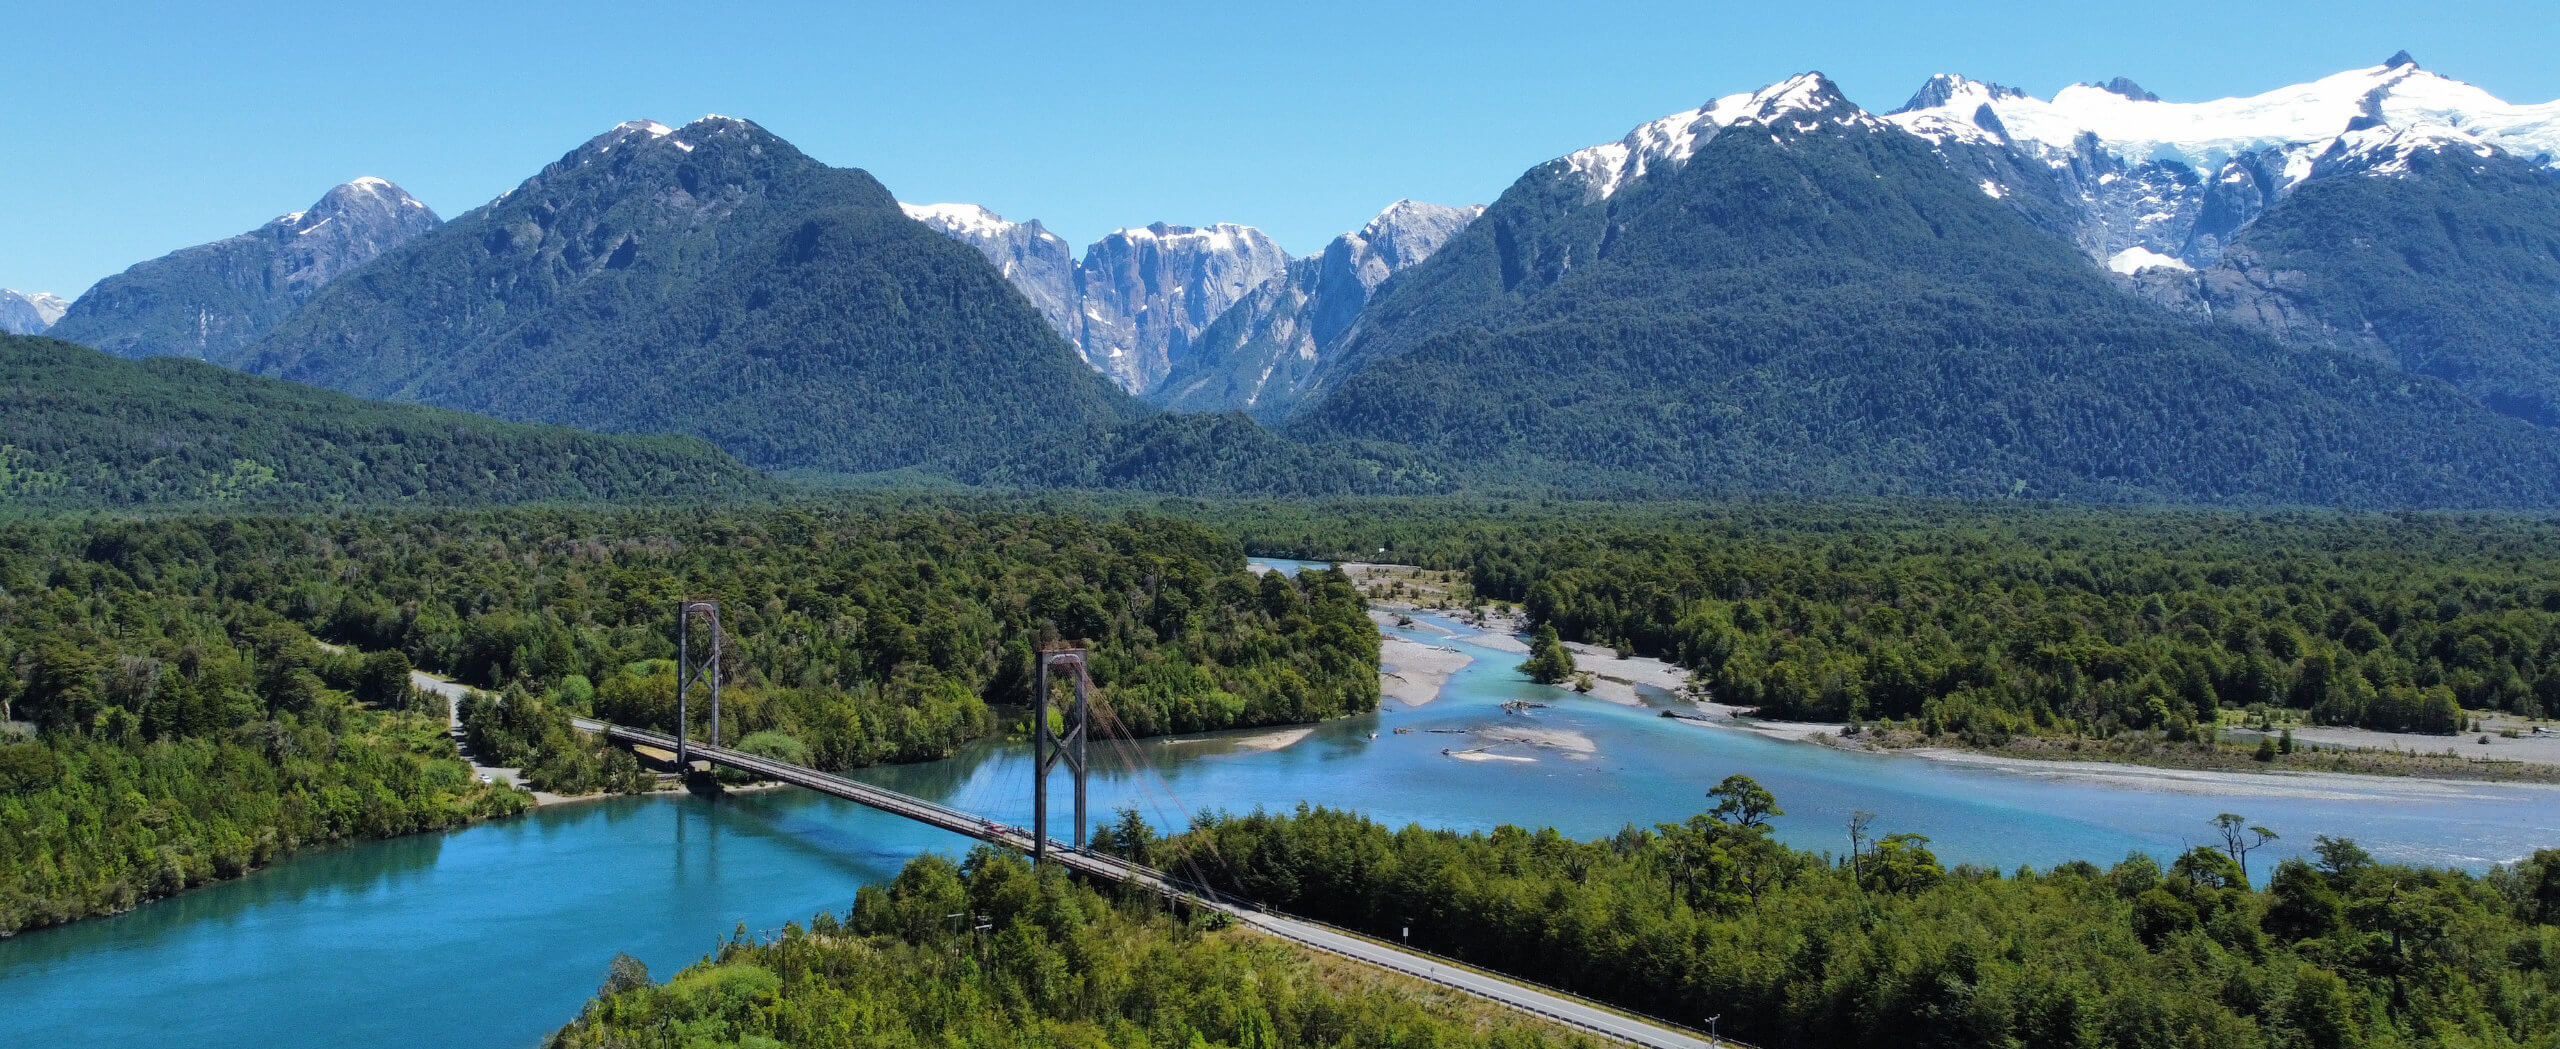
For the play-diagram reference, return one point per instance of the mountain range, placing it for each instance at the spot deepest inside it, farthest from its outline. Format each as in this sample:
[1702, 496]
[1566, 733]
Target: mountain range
[1782, 292]
[212, 300]
[711, 280]
[2345, 292]
[1140, 302]
[29, 312]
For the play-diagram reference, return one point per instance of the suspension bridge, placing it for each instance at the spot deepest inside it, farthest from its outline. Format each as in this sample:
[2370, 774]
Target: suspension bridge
[1065, 745]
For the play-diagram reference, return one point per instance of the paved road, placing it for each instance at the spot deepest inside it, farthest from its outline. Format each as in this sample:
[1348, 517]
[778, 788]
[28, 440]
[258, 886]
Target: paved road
[451, 691]
[1559, 1008]
[1568, 1011]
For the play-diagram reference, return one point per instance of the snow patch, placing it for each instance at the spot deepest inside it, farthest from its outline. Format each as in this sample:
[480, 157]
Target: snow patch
[2207, 135]
[1670, 141]
[958, 218]
[2136, 259]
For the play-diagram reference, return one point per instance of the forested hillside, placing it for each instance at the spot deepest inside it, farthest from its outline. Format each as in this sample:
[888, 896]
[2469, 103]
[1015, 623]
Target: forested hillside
[1055, 964]
[714, 281]
[2450, 270]
[1881, 945]
[81, 429]
[1223, 455]
[210, 300]
[183, 733]
[1833, 311]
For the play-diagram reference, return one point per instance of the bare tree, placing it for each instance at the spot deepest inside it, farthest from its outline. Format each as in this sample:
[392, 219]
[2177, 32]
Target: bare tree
[1858, 823]
[2240, 838]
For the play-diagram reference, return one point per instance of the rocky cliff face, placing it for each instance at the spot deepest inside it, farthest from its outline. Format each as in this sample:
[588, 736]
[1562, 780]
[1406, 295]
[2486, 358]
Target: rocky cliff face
[29, 312]
[1145, 293]
[1139, 297]
[212, 300]
[1259, 355]
[1034, 259]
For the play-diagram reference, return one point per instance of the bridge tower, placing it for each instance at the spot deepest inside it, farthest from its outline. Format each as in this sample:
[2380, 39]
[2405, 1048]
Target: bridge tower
[1067, 745]
[693, 668]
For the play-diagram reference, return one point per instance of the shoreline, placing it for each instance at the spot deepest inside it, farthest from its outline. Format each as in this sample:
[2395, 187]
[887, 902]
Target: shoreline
[1620, 681]
[2103, 766]
[2295, 783]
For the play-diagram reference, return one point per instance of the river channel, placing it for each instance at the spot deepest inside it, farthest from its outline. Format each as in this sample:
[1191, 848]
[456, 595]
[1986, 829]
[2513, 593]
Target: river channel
[494, 935]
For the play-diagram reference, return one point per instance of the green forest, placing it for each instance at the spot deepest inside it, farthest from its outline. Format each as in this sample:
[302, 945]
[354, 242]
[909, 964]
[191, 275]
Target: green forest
[1882, 945]
[83, 430]
[186, 725]
[182, 735]
[1984, 621]
[865, 636]
[1057, 964]
[2449, 272]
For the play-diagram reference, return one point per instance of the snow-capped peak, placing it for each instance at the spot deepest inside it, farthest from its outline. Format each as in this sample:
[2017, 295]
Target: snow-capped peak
[629, 131]
[1223, 237]
[46, 306]
[366, 194]
[958, 218]
[2136, 126]
[2126, 87]
[1945, 88]
[1672, 140]
[1805, 93]
[2384, 150]
[1407, 212]
[373, 187]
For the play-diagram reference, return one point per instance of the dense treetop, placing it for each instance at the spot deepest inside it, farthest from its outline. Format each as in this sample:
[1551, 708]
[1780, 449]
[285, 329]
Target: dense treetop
[1989, 620]
[1058, 964]
[80, 429]
[183, 734]
[1881, 944]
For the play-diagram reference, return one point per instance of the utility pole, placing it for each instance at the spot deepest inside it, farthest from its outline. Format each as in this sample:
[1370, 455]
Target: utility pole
[1068, 745]
[690, 670]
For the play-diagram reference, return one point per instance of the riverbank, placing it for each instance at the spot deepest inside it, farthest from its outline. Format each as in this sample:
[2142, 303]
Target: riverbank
[2231, 764]
[2501, 750]
[2290, 783]
[1413, 672]
[2236, 759]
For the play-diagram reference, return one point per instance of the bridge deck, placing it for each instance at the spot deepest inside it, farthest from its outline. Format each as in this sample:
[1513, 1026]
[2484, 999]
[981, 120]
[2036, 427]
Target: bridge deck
[1571, 1012]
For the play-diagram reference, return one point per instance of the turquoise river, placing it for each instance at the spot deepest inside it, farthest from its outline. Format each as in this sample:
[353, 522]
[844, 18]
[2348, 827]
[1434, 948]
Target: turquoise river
[494, 935]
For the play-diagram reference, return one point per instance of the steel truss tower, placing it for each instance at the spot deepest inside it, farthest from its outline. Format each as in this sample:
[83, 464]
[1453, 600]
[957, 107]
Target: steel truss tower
[1067, 745]
[691, 669]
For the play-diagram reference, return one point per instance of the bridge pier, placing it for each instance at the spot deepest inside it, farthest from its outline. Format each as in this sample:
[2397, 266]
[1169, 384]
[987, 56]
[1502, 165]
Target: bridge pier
[1068, 746]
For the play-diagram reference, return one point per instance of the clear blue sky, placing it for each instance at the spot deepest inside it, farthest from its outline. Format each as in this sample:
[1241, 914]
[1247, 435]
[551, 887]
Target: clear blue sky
[135, 129]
